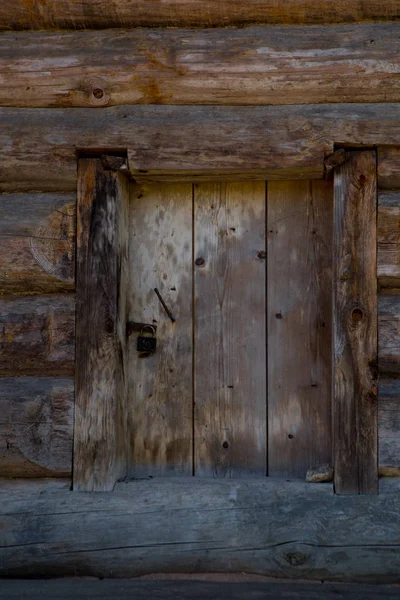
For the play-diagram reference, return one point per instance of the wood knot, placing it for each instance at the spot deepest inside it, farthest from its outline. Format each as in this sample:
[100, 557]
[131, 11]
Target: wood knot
[109, 325]
[356, 315]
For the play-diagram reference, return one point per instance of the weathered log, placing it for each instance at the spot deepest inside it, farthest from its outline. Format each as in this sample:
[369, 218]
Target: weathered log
[163, 141]
[389, 333]
[388, 427]
[388, 240]
[37, 242]
[36, 423]
[388, 167]
[69, 14]
[276, 528]
[256, 65]
[100, 432]
[354, 402]
[38, 335]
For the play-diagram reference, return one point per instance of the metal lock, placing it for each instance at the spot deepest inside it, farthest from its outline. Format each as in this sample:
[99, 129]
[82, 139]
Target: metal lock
[146, 343]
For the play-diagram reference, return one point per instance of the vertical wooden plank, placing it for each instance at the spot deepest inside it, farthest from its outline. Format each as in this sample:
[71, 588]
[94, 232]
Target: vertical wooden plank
[299, 283]
[100, 385]
[355, 326]
[230, 348]
[160, 385]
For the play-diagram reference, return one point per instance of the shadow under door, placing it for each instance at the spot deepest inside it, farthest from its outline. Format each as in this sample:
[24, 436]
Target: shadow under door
[240, 383]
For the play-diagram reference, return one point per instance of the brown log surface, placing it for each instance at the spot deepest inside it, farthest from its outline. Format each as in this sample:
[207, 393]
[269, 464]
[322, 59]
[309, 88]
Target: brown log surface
[388, 240]
[37, 243]
[100, 431]
[38, 335]
[251, 66]
[355, 326]
[69, 14]
[36, 423]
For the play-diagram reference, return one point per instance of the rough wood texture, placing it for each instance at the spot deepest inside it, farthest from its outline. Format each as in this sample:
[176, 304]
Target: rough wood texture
[389, 333]
[299, 326]
[38, 335]
[69, 14]
[388, 239]
[37, 242]
[102, 255]
[389, 426]
[229, 330]
[255, 65]
[36, 423]
[388, 167]
[355, 326]
[204, 587]
[160, 386]
[276, 528]
[268, 142]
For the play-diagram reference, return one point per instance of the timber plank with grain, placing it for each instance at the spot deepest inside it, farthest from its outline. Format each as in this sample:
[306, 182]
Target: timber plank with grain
[388, 426]
[37, 243]
[388, 239]
[389, 333]
[251, 66]
[38, 335]
[101, 430]
[299, 287]
[271, 527]
[229, 308]
[36, 424]
[160, 387]
[264, 142]
[355, 326]
[93, 14]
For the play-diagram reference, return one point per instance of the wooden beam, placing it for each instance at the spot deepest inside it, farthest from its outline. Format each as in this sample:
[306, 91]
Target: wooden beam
[69, 14]
[38, 335]
[36, 423]
[388, 167]
[389, 333]
[251, 66]
[388, 239]
[37, 243]
[389, 425]
[271, 527]
[102, 255]
[180, 142]
[355, 326]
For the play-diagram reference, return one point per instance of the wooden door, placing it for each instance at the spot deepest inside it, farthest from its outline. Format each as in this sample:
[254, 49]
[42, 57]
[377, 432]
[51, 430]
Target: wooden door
[199, 406]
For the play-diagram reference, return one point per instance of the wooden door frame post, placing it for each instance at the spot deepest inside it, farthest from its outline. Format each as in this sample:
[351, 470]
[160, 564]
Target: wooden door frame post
[100, 435]
[355, 325]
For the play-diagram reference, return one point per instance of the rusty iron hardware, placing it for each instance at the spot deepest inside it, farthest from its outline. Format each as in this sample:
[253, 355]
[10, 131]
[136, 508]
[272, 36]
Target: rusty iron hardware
[165, 307]
[132, 327]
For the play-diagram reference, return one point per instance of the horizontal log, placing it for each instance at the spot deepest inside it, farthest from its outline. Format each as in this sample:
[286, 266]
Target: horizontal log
[389, 427]
[389, 333]
[36, 424]
[270, 527]
[388, 241]
[34, 485]
[273, 142]
[69, 14]
[38, 335]
[389, 167]
[251, 66]
[37, 242]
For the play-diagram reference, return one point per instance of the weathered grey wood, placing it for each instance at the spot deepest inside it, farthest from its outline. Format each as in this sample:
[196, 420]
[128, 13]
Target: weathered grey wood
[299, 309]
[388, 167]
[37, 246]
[255, 65]
[34, 485]
[38, 336]
[36, 423]
[355, 326]
[100, 433]
[389, 333]
[229, 329]
[211, 588]
[270, 527]
[68, 14]
[388, 239]
[160, 388]
[389, 424]
[268, 142]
